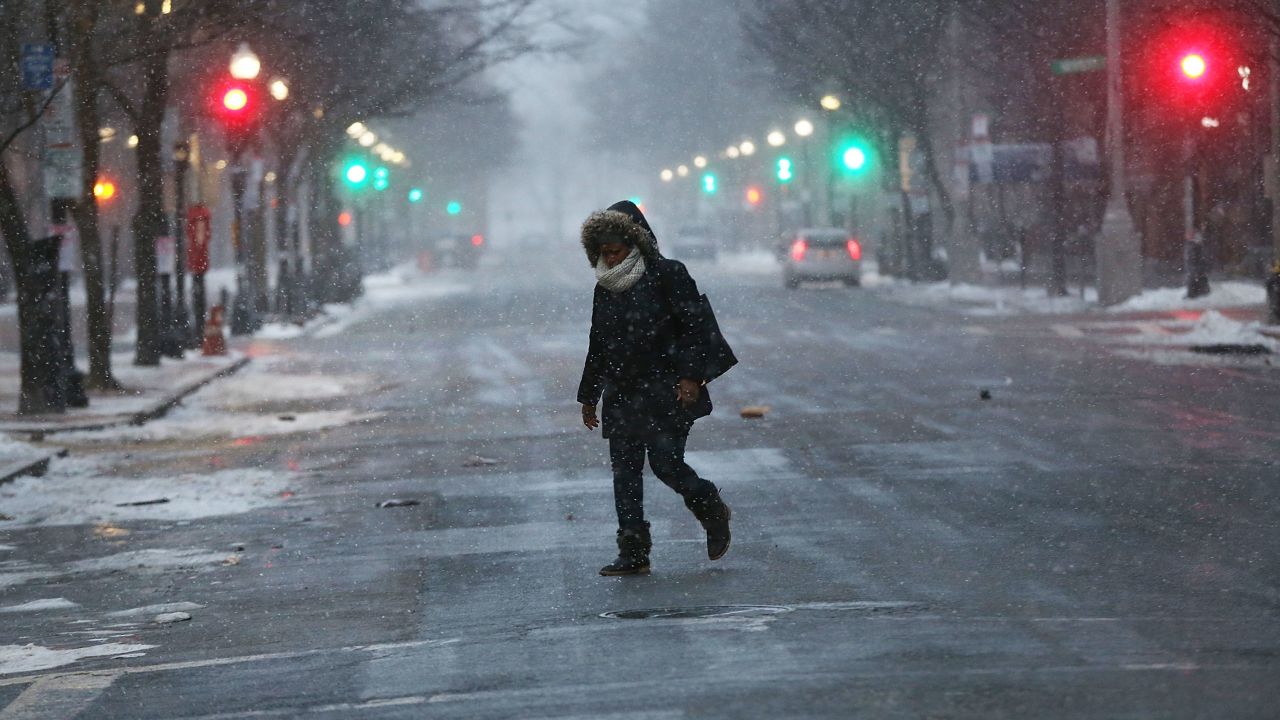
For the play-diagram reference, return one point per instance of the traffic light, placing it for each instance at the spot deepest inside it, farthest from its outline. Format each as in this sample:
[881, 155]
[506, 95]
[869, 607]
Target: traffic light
[381, 179]
[786, 170]
[1193, 66]
[237, 107]
[710, 184]
[344, 218]
[854, 156]
[104, 190]
[754, 196]
[415, 195]
[453, 208]
[355, 174]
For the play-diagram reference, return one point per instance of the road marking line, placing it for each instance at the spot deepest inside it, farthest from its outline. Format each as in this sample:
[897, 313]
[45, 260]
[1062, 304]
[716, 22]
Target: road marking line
[1070, 331]
[975, 330]
[58, 697]
[217, 662]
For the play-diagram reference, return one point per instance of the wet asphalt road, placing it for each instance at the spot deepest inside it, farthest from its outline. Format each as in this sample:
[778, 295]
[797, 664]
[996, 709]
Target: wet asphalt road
[1097, 540]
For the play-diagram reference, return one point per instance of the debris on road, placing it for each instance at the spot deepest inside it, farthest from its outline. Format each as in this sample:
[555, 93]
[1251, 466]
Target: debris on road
[1231, 349]
[755, 411]
[984, 394]
[173, 617]
[231, 560]
[480, 461]
[288, 418]
[140, 503]
[397, 503]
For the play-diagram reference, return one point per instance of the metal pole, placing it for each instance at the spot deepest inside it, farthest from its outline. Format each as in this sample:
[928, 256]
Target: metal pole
[182, 320]
[1119, 263]
[242, 307]
[1273, 170]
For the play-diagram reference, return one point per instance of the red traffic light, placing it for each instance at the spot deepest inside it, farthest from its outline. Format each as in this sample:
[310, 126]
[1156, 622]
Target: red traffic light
[235, 99]
[754, 196]
[1193, 66]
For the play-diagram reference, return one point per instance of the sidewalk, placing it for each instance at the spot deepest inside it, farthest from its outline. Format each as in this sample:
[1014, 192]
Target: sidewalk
[149, 393]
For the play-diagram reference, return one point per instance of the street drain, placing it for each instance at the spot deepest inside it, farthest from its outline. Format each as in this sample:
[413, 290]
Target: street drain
[696, 612]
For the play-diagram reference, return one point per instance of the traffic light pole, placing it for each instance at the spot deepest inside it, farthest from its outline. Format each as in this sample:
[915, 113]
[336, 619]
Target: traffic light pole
[1194, 259]
[243, 312]
[1119, 262]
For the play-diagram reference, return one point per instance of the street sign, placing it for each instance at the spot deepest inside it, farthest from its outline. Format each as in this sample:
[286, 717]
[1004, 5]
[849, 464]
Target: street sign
[62, 156]
[1071, 66]
[37, 66]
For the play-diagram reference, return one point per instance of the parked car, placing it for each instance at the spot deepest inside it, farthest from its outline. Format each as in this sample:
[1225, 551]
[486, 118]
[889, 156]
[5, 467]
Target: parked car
[458, 250]
[693, 242]
[821, 254]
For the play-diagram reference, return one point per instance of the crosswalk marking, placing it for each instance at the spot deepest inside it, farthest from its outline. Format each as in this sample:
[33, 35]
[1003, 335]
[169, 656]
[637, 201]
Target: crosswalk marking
[59, 697]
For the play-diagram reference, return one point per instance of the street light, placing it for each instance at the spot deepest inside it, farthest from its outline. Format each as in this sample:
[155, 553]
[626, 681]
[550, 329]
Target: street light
[667, 175]
[776, 138]
[245, 64]
[279, 89]
[356, 129]
[683, 171]
[733, 153]
[804, 128]
[700, 162]
[368, 139]
[747, 148]
[830, 102]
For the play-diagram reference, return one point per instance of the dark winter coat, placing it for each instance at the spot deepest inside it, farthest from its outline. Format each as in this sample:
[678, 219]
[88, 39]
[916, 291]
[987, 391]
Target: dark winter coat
[644, 339]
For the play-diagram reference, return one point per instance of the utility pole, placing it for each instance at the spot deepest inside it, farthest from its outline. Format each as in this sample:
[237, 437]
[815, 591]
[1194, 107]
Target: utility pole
[1273, 180]
[1119, 263]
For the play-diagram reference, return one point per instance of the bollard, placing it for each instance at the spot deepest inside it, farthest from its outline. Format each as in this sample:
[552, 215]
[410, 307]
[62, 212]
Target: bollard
[214, 341]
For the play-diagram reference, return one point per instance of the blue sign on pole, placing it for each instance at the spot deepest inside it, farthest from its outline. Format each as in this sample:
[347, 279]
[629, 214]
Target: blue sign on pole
[37, 66]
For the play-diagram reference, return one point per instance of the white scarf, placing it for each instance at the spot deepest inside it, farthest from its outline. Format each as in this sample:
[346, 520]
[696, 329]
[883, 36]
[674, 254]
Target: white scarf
[623, 275]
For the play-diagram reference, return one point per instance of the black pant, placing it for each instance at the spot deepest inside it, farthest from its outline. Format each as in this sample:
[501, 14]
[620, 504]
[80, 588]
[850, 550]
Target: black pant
[666, 458]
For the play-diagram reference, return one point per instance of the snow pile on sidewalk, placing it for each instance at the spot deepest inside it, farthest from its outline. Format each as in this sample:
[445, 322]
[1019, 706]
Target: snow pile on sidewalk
[981, 299]
[401, 285]
[1212, 328]
[73, 494]
[14, 452]
[1224, 294]
[239, 407]
[984, 300]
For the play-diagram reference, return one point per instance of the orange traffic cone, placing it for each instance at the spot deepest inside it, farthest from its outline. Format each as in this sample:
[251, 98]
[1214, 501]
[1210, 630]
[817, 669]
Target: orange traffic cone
[214, 342]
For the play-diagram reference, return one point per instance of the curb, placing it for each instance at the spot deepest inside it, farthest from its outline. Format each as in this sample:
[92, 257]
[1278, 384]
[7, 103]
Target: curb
[142, 417]
[34, 468]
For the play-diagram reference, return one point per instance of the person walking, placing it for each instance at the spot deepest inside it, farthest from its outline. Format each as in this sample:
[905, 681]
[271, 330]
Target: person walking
[654, 345]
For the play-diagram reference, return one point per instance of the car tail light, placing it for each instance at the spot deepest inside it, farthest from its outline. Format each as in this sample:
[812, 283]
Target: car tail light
[855, 249]
[477, 240]
[798, 249]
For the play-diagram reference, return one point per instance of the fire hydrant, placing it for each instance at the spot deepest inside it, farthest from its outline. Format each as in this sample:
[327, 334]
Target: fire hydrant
[214, 341]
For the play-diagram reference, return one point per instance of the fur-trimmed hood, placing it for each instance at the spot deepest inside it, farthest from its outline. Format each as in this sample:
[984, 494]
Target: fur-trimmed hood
[619, 223]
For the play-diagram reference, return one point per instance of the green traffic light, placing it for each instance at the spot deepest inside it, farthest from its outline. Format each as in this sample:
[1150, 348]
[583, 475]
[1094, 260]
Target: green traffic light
[415, 195]
[786, 171]
[709, 183]
[355, 173]
[855, 157]
[381, 178]
[453, 208]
